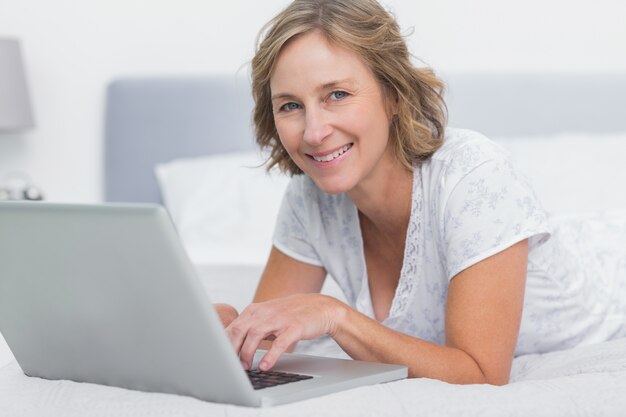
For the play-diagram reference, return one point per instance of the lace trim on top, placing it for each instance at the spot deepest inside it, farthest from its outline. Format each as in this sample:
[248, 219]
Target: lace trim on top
[407, 285]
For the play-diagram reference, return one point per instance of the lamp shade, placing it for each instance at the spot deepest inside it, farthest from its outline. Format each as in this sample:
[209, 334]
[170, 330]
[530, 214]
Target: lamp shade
[15, 108]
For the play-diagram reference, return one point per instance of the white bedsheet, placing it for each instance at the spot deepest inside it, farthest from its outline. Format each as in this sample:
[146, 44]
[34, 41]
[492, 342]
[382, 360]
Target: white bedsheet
[588, 380]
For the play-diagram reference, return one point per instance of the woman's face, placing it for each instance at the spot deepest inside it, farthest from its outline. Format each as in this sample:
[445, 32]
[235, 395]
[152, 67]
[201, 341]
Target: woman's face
[330, 113]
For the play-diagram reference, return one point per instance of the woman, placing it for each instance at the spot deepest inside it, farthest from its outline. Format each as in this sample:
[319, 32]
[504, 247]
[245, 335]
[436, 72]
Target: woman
[426, 229]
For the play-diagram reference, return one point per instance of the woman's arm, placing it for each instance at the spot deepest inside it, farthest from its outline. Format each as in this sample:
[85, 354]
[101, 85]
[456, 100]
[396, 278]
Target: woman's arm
[226, 313]
[483, 315]
[284, 276]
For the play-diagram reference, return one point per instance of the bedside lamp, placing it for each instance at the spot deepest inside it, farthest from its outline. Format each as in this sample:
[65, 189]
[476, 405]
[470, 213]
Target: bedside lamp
[15, 109]
[15, 115]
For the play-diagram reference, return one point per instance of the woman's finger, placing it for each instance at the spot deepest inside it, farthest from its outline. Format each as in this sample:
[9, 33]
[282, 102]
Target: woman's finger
[251, 342]
[237, 331]
[279, 346]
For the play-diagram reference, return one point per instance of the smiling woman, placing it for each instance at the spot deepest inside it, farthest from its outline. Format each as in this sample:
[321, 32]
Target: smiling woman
[428, 230]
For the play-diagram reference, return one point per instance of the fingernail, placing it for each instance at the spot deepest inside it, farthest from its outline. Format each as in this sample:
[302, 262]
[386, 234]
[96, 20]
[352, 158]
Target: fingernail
[264, 366]
[244, 364]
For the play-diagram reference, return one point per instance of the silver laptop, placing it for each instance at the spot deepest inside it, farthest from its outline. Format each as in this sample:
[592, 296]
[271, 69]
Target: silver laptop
[106, 294]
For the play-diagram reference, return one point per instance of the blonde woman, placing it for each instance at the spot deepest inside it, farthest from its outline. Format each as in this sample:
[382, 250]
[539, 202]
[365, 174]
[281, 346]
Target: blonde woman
[426, 229]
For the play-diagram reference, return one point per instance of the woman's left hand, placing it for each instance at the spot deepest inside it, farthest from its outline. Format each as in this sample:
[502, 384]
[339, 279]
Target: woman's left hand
[284, 320]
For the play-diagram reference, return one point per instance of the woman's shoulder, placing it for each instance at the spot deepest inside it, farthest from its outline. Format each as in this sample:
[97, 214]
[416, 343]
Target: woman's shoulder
[465, 142]
[464, 149]
[302, 185]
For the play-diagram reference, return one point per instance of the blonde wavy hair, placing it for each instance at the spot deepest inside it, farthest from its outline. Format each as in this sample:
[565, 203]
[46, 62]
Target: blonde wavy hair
[367, 29]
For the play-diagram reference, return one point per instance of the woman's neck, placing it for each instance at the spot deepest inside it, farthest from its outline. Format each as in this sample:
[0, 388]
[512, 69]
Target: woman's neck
[384, 199]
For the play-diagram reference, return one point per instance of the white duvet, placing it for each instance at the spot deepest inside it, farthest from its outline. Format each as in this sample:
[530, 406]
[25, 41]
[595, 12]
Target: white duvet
[585, 381]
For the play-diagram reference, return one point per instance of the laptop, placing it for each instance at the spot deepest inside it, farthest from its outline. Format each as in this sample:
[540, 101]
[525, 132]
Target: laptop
[106, 294]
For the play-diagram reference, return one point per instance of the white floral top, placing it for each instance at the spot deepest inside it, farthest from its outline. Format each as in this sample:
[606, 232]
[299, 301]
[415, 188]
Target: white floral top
[469, 202]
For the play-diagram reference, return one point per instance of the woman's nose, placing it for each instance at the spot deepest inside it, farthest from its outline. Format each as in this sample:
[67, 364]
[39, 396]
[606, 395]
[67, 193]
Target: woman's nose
[317, 127]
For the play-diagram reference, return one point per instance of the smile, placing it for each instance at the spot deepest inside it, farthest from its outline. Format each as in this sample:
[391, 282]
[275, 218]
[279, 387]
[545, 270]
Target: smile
[329, 157]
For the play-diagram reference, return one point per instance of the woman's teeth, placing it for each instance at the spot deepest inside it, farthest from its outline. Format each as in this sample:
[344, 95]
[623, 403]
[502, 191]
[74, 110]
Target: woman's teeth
[331, 156]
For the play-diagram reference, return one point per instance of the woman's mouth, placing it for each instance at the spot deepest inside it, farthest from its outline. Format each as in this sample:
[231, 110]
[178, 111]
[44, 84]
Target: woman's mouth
[320, 157]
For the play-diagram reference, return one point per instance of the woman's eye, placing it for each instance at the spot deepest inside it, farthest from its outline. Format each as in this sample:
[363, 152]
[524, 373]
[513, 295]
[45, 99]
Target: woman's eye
[290, 106]
[338, 95]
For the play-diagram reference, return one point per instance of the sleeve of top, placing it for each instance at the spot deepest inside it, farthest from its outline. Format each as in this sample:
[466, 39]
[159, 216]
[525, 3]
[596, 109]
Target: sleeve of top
[488, 209]
[292, 230]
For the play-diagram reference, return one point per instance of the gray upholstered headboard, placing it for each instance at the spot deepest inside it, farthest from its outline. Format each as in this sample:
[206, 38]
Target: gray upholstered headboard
[153, 120]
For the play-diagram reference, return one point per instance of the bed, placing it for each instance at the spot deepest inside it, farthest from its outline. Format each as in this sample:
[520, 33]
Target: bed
[187, 142]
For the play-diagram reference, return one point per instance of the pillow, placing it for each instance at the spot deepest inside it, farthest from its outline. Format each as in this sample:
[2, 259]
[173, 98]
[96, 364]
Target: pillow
[573, 172]
[224, 206]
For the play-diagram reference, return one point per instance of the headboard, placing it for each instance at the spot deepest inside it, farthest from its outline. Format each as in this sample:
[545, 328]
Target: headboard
[154, 120]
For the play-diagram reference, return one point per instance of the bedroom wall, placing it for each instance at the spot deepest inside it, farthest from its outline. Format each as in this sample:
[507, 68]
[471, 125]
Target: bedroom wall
[73, 48]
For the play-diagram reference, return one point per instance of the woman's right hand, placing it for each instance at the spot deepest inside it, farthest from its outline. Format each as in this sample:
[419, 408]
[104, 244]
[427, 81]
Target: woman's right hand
[226, 312]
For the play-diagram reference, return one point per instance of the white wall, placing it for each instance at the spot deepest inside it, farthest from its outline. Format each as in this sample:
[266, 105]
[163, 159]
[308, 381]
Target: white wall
[73, 48]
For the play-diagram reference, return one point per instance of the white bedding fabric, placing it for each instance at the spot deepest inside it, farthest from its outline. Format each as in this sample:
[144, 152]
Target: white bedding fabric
[586, 381]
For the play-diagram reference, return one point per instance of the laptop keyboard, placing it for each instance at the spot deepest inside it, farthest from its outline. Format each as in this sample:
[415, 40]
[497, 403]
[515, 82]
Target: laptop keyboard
[268, 379]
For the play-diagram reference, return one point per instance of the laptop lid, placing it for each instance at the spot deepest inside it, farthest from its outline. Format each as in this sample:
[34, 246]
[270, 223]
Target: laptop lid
[106, 294]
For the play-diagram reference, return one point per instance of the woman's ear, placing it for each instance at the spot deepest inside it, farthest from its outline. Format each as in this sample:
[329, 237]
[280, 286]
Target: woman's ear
[392, 104]
[390, 95]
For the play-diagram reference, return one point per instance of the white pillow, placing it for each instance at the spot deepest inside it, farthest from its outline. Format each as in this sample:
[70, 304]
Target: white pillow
[573, 172]
[224, 206]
